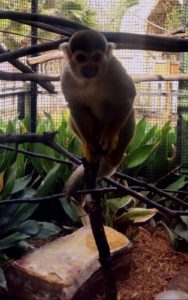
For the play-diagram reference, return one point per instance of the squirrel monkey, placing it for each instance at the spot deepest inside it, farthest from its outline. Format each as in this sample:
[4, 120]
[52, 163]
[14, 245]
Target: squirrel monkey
[100, 96]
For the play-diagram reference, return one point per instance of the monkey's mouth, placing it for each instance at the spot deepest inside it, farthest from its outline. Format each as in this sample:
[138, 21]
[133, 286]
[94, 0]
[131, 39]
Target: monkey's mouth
[89, 71]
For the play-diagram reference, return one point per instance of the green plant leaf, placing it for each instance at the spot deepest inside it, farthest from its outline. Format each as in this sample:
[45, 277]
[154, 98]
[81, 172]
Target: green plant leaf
[11, 240]
[20, 161]
[171, 234]
[6, 213]
[185, 220]
[23, 212]
[10, 128]
[3, 258]
[70, 210]
[117, 203]
[150, 136]
[178, 184]
[36, 162]
[64, 133]
[138, 136]
[139, 156]
[47, 230]
[29, 227]
[2, 277]
[50, 120]
[139, 215]
[181, 231]
[45, 164]
[49, 181]
[9, 181]
[7, 159]
[75, 146]
[27, 193]
[24, 245]
[21, 183]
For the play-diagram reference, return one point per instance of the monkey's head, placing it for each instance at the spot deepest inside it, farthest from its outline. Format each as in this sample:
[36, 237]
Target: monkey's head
[88, 52]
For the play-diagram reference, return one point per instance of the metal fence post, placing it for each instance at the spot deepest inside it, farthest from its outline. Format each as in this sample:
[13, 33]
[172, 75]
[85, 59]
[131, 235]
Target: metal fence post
[182, 109]
[33, 102]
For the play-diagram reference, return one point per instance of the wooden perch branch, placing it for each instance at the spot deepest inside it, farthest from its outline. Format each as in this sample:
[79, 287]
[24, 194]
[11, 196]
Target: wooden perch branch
[31, 50]
[39, 78]
[62, 31]
[45, 57]
[28, 137]
[52, 20]
[27, 76]
[123, 40]
[25, 69]
[47, 138]
[94, 210]
[158, 77]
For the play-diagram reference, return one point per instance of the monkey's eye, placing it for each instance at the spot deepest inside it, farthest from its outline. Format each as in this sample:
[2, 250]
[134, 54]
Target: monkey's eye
[97, 57]
[81, 58]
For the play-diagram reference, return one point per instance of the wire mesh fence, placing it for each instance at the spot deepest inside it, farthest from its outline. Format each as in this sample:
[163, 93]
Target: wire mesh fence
[157, 101]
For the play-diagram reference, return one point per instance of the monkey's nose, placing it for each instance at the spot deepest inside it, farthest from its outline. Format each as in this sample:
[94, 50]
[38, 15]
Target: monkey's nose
[89, 71]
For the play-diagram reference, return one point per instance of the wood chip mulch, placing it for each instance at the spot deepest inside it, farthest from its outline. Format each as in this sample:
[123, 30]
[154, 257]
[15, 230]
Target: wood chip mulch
[154, 263]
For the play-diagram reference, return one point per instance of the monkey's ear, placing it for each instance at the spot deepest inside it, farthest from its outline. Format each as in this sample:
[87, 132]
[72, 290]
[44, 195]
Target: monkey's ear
[66, 49]
[111, 47]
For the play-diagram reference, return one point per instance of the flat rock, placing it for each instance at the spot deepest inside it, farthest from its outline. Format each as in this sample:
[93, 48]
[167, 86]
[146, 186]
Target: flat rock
[67, 268]
[180, 281]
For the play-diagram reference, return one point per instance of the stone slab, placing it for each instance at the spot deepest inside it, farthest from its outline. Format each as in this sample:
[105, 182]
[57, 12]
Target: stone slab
[67, 268]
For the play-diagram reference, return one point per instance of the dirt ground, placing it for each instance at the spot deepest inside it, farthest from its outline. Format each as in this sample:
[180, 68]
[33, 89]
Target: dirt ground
[154, 263]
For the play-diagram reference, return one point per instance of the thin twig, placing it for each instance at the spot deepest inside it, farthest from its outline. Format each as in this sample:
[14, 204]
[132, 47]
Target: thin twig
[38, 155]
[152, 188]
[145, 200]
[141, 188]
[148, 22]
[62, 150]
[57, 196]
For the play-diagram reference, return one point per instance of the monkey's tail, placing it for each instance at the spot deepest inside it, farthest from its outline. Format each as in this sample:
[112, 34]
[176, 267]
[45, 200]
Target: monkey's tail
[75, 181]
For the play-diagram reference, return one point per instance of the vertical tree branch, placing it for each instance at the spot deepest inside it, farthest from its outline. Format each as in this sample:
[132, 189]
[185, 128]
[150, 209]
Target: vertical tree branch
[93, 208]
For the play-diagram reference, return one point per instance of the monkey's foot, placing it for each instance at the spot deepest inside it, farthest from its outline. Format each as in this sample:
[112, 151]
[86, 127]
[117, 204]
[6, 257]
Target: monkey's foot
[108, 142]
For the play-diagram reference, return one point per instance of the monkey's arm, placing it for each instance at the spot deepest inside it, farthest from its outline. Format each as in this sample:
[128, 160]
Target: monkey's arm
[115, 121]
[86, 127]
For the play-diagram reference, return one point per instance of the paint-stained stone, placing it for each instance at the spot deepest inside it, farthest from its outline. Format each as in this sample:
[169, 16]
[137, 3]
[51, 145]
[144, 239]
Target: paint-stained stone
[67, 268]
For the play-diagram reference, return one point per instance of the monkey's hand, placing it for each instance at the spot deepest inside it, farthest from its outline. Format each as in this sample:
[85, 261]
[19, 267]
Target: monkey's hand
[108, 140]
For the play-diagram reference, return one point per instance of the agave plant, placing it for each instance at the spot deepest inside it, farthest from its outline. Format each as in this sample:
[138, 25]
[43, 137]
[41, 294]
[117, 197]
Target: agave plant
[150, 153]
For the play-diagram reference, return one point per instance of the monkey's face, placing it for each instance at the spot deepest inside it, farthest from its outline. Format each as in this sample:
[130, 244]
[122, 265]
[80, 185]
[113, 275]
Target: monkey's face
[88, 52]
[88, 65]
